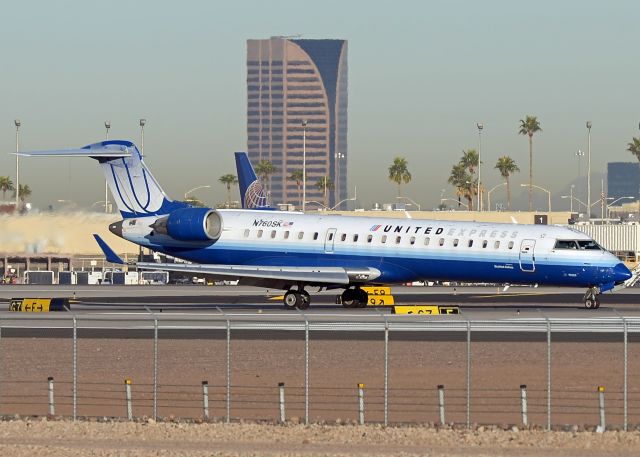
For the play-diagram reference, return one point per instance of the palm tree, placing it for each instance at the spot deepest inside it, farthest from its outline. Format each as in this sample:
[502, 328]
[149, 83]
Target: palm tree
[24, 191]
[228, 180]
[264, 170]
[634, 148]
[470, 159]
[5, 185]
[399, 173]
[324, 184]
[507, 166]
[297, 176]
[529, 126]
[463, 183]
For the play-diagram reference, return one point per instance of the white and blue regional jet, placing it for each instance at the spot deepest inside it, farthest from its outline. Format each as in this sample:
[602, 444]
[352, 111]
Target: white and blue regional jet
[294, 251]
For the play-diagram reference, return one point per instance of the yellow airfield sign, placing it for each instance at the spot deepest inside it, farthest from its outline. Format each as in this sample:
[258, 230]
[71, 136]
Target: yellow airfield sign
[38, 305]
[425, 309]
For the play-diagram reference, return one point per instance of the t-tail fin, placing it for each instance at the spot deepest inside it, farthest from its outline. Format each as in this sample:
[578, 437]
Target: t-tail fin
[252, 191]
[133, 187]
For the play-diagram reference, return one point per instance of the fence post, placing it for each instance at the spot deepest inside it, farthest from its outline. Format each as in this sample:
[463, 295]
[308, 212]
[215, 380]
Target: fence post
[625, 391]
[468, 374]
[441, 403]
[601, 428]
[205, 400]
[228, 414]
[306, 371]
[127, 391]
[523, 404]
[386, 372]
[52, 407]
[361, 404]
[548, 374]
[155, 368]
[75, 368]
[283, 416]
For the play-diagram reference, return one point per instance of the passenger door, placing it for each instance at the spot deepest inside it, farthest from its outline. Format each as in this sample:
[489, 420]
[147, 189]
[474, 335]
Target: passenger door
[527, 257]
[329, 240]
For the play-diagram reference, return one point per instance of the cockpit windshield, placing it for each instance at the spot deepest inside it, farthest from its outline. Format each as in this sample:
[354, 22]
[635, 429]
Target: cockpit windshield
[582, 245]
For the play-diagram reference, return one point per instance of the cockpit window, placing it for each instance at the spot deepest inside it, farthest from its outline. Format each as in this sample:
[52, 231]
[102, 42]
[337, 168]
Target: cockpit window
[589, 245]
[566, 244]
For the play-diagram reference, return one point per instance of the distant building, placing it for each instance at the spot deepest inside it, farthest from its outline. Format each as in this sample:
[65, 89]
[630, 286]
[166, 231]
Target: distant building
[623, 180]
[290, 81]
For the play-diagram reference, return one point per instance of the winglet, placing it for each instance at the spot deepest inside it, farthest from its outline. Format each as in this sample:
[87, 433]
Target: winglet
[108, 252]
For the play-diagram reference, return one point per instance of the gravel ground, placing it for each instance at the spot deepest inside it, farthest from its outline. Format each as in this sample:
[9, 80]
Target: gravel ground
[52, 438]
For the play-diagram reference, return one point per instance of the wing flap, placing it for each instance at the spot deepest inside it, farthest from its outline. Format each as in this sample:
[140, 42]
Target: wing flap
[310, 275]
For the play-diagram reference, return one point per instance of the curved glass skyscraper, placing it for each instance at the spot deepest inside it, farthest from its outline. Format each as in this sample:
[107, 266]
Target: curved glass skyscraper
[290, 81]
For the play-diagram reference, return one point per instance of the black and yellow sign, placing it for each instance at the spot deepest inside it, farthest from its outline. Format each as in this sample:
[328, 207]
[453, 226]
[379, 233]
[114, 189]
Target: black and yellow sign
[38, 305]
[378, 295]
[425, 309]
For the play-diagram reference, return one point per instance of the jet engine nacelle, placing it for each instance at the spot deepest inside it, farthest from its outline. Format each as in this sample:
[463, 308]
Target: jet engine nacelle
[191, 224]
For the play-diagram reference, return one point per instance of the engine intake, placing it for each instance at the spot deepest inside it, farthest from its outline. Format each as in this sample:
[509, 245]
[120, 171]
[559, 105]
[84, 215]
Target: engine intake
[190, 224]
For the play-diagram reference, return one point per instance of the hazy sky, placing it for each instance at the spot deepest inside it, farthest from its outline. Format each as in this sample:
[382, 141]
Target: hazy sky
[421, 74]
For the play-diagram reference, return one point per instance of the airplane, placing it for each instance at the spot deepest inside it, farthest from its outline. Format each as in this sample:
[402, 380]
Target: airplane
[293, 251]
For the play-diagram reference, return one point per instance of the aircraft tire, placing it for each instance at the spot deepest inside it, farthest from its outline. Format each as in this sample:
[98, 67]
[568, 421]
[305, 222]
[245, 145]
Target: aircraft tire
[349, 299]
[291, 299]
[363, 298]
[305, 300]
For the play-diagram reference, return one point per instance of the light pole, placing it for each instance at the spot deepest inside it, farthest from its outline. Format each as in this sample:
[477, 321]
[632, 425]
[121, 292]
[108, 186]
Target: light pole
[492, 189]
[614, 202]
[480, 127]
[17, 123]
[304, 164]
[338, 157]
[541, 188]
[107, 126]
[413, 202]
[571, 205]
[142, 123]
[194, 189]
[589, 169]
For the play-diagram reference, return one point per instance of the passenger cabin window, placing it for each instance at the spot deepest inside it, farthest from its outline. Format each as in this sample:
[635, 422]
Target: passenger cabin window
[566, 244]
[246, 233]
[330, 236]
[315, 235]
[355, 238]
[343, 237]
[398, 239]
[426, 241]
[273, 233]
[383, 239]
[286, 235]
[441, 241]
[496, 245]
[259, 233]
[412, 240]
[510, 245]
[455, 242]
[369, 238]
[300, 235]
[470, 244]
[484, 243]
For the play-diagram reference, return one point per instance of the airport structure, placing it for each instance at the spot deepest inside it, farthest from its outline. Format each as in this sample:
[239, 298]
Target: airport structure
[297, 106]
[623, 180]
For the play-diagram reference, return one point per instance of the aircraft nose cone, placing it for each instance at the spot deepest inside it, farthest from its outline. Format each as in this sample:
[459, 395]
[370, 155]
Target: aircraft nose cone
[116, 228]
[621, 273]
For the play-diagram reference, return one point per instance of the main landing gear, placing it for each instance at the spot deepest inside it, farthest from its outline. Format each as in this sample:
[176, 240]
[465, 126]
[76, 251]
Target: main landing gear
[354, 298]
[591, 299]
[297, 299]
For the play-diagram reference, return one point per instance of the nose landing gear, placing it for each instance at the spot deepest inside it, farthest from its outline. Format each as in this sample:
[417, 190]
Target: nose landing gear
[591, 298]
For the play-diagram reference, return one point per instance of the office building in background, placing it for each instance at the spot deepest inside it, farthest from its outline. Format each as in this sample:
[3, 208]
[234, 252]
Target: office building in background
[623, 180]
[290, 81]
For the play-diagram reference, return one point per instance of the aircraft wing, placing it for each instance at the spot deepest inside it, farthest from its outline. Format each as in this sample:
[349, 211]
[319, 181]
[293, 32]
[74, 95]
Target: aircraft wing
[109, 152]
[272, 276]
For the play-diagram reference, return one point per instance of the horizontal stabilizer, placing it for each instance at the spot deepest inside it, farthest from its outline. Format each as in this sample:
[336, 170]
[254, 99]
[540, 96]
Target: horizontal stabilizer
[111, 151]
[108, 252]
